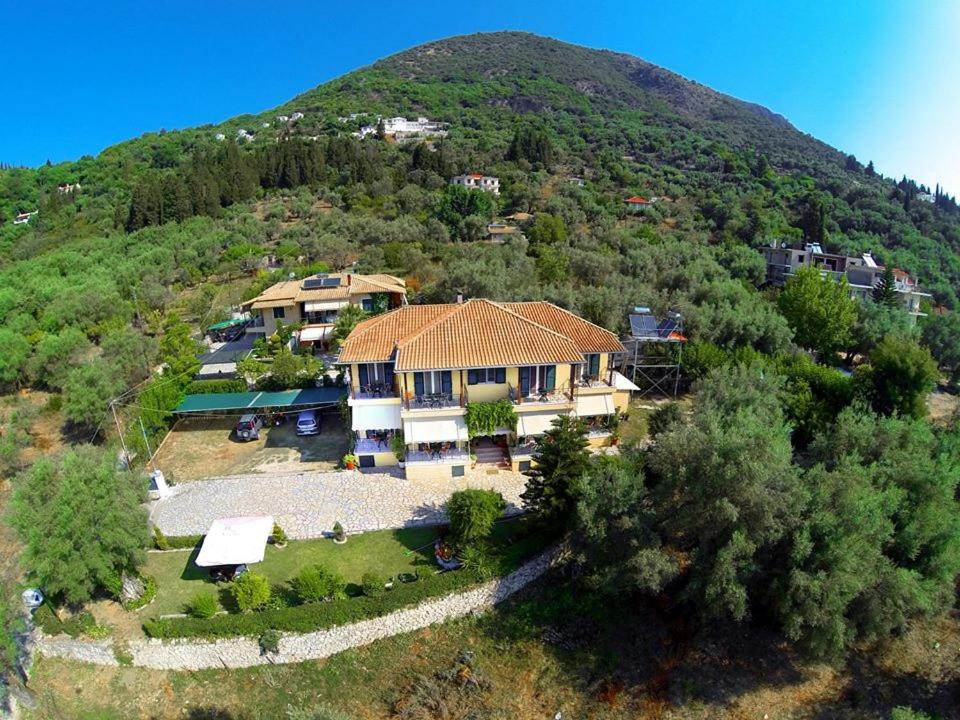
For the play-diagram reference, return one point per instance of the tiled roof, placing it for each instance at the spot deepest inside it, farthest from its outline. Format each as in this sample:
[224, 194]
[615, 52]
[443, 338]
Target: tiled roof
[637, 200]
[477, 333]
[291, 292]
[589, 338]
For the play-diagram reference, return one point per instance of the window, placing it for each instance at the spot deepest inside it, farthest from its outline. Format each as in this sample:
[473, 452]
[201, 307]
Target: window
[523, 465]
[278, 313]
[433, 382]
[482, 376]
[591, 365]
[456, 471]
[537, 378]
[367, 304]
[367, 461]
[375, 375]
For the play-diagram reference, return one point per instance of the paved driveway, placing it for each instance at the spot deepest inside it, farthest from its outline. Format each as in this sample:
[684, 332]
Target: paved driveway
[308, 504]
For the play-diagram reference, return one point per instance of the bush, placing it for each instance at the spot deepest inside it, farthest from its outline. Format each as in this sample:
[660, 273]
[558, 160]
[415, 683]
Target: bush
[425, 572]
[204, 605]
[472, 514]
[250, 591]
[204, 387]
[479, 558]
[664, 417]
[159, 539]
[269, 641]
[82, 623]
[279, 536]
[316, 584]
[338, 533]
[372, 585]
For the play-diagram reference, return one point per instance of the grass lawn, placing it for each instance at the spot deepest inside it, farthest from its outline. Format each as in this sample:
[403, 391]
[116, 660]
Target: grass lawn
[385, 552]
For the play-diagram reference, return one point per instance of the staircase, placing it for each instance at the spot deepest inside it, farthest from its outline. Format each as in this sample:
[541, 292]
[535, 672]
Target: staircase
[490, 454]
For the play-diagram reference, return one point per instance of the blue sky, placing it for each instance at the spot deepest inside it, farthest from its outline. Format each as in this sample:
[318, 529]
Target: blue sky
[875, 78]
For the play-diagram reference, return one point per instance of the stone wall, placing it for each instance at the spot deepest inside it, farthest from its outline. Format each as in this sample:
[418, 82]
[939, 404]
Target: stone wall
[192, 654]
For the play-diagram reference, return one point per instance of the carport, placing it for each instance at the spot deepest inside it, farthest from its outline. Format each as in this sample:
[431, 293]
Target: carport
[256, 401]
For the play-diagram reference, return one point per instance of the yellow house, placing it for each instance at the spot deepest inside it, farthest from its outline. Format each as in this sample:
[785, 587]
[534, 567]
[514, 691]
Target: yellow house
[315, 302]
[415, 370]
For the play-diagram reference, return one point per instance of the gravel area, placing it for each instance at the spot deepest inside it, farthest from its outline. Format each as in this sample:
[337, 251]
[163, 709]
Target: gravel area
[306, 505]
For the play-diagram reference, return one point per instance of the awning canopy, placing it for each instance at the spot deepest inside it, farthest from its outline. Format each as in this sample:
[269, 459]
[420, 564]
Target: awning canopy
[622, 382]
[235, 541]
[536, 423]
[315, 333]
[435, 430]
[224, 324]
[212, 402]
[376, 417]
[590, 405]
[321, 305]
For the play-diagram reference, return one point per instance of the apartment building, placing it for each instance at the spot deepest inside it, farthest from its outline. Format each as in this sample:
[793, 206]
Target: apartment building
[862, 272]
[315, 302]
[414, 371]
[478, 181]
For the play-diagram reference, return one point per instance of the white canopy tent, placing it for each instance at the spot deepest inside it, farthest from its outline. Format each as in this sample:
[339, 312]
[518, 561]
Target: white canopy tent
[622, 382]
[313, 333]
[590, 405]
[235, 541]
[367, 416]
[435, 430]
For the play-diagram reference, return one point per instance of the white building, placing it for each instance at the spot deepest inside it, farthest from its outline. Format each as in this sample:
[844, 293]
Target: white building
[283, 118]
[402, 129]
[296, 116]
[476, 181]
[68, 188]
[243, 135]
[23, 218]
[219, 137]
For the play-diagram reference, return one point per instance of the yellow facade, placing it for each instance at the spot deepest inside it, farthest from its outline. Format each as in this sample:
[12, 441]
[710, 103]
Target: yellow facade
[433, 471]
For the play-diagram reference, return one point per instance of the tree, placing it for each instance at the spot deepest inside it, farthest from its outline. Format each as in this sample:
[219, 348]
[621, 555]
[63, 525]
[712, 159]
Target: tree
[87, 392]
[941, 334]
[561, 460]
[725, 486]
[618, 546]
[81, 523]
[129, 352]
[178, 349]
[874, 322]
[900, 376]
[531, 143]
[14, 351]
[57, 354]
[885, 291]
[819, 310]
[347, 320]
[472, 513]
[458, 203]
[547, 229]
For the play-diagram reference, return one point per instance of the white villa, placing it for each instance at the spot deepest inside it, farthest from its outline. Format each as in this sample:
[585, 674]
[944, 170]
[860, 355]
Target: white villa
[399, 128]
[477, 181]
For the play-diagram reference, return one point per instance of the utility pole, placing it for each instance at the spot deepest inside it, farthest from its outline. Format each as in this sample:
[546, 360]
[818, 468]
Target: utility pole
[147, 443]
[126, 454]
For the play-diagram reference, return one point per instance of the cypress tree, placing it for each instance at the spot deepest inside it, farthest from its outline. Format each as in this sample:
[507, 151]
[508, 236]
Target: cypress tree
[885, 291]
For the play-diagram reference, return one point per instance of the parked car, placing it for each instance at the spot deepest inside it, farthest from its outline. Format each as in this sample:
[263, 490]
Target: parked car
[248, 427]
[308, 423]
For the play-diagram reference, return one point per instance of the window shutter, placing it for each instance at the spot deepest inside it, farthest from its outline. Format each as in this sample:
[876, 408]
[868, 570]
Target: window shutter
[364, 377]
[595, 364]
[471, 377]
[500, 375]
[524, 381]
[551, 377]
[418, 383]
[446, 381]
[388, 375]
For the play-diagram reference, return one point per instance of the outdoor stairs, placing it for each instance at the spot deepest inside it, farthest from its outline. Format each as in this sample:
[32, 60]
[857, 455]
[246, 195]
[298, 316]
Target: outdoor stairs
[490, 454]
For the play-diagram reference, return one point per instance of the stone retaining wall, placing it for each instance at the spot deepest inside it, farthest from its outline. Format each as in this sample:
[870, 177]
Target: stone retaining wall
[192, 654]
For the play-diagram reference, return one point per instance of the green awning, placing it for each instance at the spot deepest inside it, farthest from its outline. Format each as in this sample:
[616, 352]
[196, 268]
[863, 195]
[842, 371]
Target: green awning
[222, 402]
[224, 324]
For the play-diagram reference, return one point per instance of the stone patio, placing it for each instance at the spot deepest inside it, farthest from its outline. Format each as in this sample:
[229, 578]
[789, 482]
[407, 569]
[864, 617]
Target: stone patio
[307, 505]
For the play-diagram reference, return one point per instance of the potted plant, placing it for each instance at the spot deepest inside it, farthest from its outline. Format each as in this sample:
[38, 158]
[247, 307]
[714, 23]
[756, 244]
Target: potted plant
[473, 460]
[279, 537]
[339, 535]
[399, 448]
[349, 461]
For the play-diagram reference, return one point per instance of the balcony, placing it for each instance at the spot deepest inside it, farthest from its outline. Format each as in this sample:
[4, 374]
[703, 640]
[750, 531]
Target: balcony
[452, 456]
[373, 392]
[368, 446]
[435, 401]
[541, 396]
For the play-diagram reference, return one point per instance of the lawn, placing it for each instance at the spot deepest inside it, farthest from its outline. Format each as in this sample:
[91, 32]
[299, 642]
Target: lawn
[387, 553]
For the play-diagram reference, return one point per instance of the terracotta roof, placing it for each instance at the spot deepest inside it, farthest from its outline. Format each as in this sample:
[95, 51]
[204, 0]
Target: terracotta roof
[290, 292]
[637, 200]
[589, 338]
[477, 333]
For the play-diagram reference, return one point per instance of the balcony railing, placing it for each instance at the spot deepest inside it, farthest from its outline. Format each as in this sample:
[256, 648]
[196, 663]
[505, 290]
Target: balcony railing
[560, 394]
[373, 392]
[438, 457]
[435, 401]
[594, 381]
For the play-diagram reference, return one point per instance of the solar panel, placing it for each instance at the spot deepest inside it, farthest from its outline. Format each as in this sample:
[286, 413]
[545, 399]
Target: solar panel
[643, 326]
[320, 281]
[312, 283]
[331, 282]
[665, 327]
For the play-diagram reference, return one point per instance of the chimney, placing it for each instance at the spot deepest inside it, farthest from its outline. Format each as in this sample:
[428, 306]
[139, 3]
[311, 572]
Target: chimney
[349, 278]
[459, 298]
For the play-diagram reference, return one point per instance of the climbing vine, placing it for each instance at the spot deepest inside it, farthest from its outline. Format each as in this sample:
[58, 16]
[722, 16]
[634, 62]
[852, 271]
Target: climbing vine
[484, 418]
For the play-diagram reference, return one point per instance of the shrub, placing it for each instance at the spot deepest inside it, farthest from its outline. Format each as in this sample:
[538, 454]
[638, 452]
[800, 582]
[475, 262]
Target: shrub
[203, 387]
[664, 417]
[250, 591]
[269, 641]
[372, 585]
[424, 572]
[159, 539]
[279, 536]
[338, 532]
[472, 514]
[479, 558]
[203, 605]
[316, 584]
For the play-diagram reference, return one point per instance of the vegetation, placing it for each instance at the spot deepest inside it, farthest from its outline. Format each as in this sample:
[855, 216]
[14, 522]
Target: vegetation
[316, 583]
[553, 487]
[250, 591]
[472, 514]
[485, 418]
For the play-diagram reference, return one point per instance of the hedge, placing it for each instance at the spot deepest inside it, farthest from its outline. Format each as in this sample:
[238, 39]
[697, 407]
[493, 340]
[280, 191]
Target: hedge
[203, 387]
[314, 616]
[176, 542]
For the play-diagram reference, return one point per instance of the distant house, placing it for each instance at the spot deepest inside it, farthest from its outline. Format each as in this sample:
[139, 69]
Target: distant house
[638, 203]
[499, 232]
[926, 197]
[283, 118]
[400, 129]
[219, 137]
[266, 124]
[68, 188]
[244, 136]
[477, 181]
[574, 180]
[520, 217]
[23, 218]
[296, 116]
